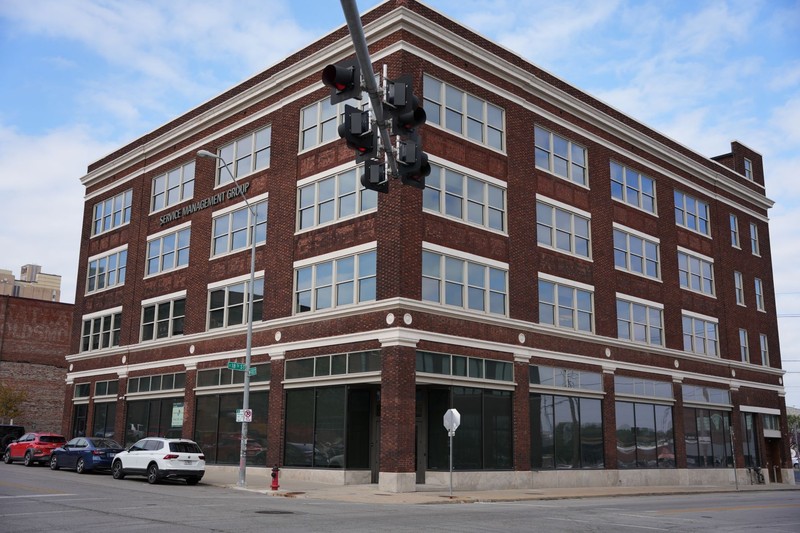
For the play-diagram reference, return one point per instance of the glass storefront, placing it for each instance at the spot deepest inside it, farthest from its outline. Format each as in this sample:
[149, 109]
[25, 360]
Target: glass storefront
[566, 432]
[105, 416]
[159, 417]
[483, 441]
[220, 435]
[645, 436]
[707, 436]
[328, 427]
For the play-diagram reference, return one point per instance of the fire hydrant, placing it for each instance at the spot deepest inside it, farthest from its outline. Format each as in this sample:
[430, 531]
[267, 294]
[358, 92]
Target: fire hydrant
[275, 472]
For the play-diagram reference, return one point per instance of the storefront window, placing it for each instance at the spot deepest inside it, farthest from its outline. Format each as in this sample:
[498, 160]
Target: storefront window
[644, 436]
[160, 417]
[220, 435]
[566, 432]
[105, 416]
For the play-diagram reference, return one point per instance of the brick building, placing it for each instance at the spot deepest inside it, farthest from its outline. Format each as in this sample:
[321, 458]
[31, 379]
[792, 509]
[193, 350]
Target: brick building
[34, 340]
[593, 297]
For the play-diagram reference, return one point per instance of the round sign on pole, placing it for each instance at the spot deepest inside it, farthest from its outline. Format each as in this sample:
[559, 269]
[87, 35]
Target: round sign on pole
[452, 419]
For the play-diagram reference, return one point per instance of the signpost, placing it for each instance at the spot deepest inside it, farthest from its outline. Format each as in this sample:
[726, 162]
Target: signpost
[452, 419]
[244, 415]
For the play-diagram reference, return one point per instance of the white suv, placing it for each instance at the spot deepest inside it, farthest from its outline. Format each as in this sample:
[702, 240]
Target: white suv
[159, 458]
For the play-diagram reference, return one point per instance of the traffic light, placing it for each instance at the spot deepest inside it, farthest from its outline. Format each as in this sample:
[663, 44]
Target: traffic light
[412, 163]
[402, 106]
[344, 79]
[359, 135]
[374, 176]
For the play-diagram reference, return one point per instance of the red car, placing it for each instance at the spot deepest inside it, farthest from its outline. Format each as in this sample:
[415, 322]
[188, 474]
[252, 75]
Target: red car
[33, 448]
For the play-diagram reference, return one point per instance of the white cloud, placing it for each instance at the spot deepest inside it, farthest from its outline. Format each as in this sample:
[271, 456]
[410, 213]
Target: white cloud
[41, 196]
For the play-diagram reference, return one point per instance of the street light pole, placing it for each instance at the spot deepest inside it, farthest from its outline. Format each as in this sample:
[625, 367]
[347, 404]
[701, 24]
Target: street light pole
[249, 347]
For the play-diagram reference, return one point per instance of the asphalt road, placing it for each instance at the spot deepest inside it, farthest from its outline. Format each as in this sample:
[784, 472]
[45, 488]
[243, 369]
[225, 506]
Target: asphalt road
[37, 499]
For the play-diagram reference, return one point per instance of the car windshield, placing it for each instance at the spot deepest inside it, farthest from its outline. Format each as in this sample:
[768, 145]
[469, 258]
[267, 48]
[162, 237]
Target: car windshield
[105, 443]
[52, 438]
[184, 447]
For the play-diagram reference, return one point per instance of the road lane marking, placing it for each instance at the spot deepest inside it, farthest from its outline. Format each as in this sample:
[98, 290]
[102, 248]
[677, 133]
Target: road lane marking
[605, 524]
[731, 508]
[36, 496]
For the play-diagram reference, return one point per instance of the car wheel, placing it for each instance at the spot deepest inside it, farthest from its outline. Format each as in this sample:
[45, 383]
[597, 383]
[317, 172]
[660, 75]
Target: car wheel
[192, 480]
[152, 474]
[116, 470]
[7, 457]
[80, 466]
[54, 462]
[28, 460]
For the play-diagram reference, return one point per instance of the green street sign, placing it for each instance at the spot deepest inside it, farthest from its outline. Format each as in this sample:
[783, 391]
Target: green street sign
[242, 367]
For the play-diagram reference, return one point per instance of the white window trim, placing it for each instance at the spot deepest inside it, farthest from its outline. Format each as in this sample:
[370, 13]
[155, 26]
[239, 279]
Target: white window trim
[233, 281]
[165, 297]
[697, 215]
[458, 254]
[567, 178]
[338, 254]
[700, 316]
[746, 345]
[165, 174]
[235, 207]
[236, 180]
[761, 302]
[359, 190]
[707, 259]
[754, 239]
[738, 277]
[107, 253]
[565, 281]
[622, 201]
[738, 243]
[159, 234]
[104, 312]
[641, 301]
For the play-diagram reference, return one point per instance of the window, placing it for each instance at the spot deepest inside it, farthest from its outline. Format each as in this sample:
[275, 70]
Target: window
[564, 305]
[320, 122]
[106, 388]
[696, 272]
[744, 346]
[640, 321]
[157, 383]
[462, 113]
[700, 335]
[633, 188]
[82, 390]
[706, 395]
[163, 319]
[764, 344]
[560, 156]
[112, 213]
[101, 331]
[173, 187]
[748, 169]
[168, 251]
[649, 388]
[464, 283]
[738, 283]
[459, 365]
[106, 271]
[335, 282]
[566, 432]
[333, 365]
[333, 198]
[645, 435]
[563, 228]
[216, 377]
[754, 247]
[228, 304]
[465, 197]
[232, 230]
[245, 155]
[734, 231]
[707, 437]
[636, 253]
[548, 376]
[692, 213]
[759, 295]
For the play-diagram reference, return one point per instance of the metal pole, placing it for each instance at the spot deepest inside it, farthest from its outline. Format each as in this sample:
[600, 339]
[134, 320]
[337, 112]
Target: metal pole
[249, 346]
[450, 433]
[733, 455]
[365, 63]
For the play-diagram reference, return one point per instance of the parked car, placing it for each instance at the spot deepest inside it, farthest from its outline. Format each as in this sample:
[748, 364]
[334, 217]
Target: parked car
[85, 454]
[160, 458]
[33, 448]
[9, 432]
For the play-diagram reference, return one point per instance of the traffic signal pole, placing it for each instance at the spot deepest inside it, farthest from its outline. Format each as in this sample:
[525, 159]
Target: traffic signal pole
[365, 63]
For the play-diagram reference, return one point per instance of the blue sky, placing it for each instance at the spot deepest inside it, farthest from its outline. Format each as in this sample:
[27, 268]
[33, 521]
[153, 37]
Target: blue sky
[79, 78]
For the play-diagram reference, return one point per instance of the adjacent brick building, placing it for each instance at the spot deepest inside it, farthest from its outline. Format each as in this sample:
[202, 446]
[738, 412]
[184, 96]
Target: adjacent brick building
[593, 297]
[34, 341]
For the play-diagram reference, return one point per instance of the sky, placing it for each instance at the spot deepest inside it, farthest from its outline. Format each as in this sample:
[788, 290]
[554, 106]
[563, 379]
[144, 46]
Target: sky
[80, 78]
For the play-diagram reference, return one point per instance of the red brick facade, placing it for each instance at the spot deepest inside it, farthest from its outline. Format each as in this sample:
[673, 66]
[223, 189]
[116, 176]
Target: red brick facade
[398, 322]
[34, 340]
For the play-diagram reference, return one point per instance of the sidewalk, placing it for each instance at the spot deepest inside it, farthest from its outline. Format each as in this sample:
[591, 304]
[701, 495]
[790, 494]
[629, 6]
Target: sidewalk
[259, 480]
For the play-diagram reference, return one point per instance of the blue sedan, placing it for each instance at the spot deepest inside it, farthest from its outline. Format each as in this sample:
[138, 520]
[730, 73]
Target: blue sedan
[85, 454]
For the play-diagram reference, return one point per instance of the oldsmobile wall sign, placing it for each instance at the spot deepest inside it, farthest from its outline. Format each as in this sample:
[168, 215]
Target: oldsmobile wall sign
[218, 198]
